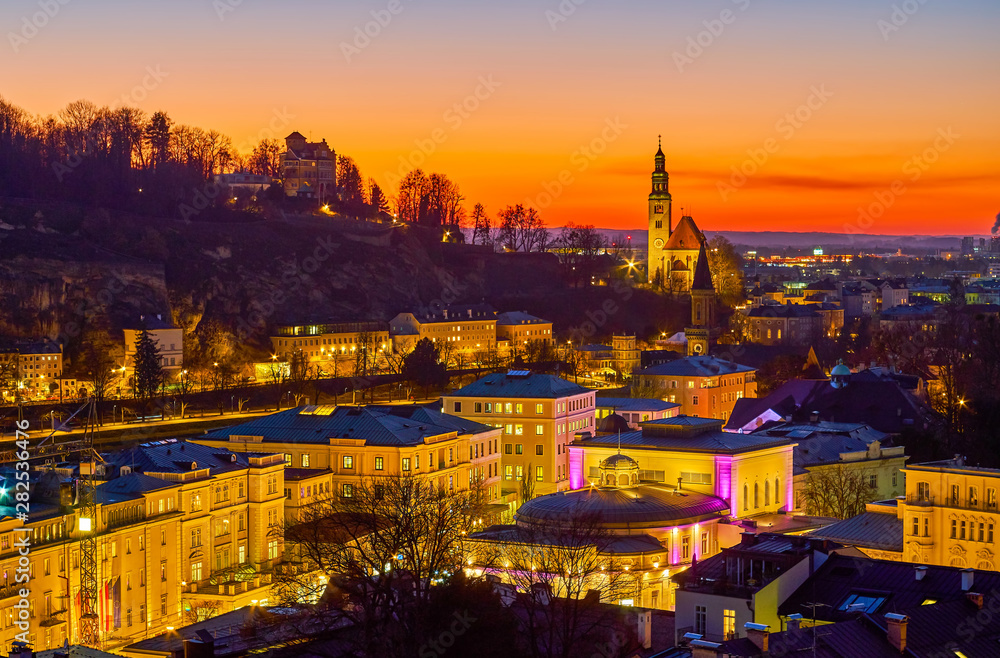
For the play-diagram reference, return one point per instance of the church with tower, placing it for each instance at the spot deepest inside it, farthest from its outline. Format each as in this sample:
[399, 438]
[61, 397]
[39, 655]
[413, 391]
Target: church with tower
[673, 253]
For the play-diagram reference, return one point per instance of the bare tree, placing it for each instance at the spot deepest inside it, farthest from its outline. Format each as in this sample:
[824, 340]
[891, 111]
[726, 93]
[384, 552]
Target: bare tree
[521, 229]
[384, 545]
[564, 575]
[838, 491]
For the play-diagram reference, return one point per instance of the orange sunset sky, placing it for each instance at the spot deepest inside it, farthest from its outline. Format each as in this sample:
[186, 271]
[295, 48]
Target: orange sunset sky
[888, 82]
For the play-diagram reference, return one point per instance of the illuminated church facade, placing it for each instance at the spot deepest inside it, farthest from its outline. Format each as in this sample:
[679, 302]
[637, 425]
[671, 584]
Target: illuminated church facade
[672, 252]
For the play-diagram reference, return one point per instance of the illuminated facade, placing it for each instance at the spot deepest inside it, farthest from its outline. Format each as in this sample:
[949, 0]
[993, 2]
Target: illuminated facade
[752, 473]
[462, 334]
[182, 531]
[644, 532]
[337, 349]
[309, 168]
[704, 386]
[31, 367]
[169, 341]
[538, 415]
[342, 445]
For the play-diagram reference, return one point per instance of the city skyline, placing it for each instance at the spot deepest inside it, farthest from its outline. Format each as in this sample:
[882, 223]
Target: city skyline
[892, 116]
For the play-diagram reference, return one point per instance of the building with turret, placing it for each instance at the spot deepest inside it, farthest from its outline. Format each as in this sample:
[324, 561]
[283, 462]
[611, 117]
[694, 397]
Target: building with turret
[673, 252]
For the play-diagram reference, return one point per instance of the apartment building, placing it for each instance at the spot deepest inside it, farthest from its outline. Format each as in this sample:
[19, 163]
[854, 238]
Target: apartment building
[520, 329]
[30, 368]
[538, 415]
[169, 341]
[182, 531]
[329, 449]
[462, 334]
[704, 386]
[335, 348]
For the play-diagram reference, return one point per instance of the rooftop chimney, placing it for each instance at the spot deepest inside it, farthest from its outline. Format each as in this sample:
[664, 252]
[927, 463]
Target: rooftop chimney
[704, 649]
[897, 630]
[919, 573]
[794, 621]
[968, 576]
[976, 598]
[758, 633]
[814, 417]
[646, 628]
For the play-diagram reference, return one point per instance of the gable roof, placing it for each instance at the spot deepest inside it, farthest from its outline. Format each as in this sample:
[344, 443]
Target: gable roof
[375, 425]
[880, 403]
[696, 366]
[896, 582]
[516, 384]
[686, 235]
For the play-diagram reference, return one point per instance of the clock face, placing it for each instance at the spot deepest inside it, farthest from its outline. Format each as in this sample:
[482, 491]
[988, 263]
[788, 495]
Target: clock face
[658, 243]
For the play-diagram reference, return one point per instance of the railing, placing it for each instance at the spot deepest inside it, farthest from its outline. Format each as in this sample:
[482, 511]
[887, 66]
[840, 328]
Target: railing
[920, 499]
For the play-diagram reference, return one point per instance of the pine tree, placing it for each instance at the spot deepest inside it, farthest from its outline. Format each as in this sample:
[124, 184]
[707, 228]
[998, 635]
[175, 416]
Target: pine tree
[148, 371]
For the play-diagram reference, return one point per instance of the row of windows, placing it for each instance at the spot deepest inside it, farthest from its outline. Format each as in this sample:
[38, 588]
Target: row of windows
[756, 494]
[498, 407]
[967, 530]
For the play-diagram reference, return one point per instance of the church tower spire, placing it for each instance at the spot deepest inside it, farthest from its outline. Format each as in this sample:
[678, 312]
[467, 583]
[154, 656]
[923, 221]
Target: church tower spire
[702, 306]
[660, 226]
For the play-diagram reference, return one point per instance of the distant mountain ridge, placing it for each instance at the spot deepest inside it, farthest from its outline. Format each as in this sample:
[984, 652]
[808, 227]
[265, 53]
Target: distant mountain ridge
[779, 239]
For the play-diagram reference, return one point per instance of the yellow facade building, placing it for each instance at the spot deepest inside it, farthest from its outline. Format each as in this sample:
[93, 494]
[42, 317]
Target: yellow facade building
[705, 386]
[183, 532]
[169, 341]
[523, 331]
[949, 516]
[28, 369]
[330, 449]
[538, 415]
[461, 334]
[338, 349]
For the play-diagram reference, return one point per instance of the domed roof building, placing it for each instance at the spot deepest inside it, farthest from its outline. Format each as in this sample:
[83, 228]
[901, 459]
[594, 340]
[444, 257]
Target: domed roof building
[612, 424]
[646, 529]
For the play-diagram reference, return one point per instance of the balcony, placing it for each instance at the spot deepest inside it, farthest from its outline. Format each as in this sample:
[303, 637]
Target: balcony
[920, 500]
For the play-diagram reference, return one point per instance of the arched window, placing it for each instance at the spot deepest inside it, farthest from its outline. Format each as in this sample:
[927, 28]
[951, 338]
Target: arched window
[746, 498]
[767, 493]
[756, 495]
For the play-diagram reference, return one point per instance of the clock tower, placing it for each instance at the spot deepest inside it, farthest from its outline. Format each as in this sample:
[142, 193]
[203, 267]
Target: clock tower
[659, 216]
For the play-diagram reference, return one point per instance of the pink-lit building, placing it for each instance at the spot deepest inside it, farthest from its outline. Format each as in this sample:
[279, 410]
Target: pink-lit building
[665, 495]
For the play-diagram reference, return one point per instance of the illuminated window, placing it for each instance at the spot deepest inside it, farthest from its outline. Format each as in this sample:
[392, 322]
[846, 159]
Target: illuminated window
[538, 408]
[406, 463]
[729, 624]
[348, 461]
[539, 474]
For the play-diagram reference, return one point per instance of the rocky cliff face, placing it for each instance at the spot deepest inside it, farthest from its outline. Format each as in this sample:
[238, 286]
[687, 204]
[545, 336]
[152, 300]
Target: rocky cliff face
[228, 282]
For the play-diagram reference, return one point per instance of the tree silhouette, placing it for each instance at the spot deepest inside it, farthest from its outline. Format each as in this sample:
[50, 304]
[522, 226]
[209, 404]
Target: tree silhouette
[148, 371]
[422, 367]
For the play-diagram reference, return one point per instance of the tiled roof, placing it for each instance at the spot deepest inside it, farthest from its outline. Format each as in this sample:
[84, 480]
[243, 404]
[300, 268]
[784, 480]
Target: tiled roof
[842, 575]
[178, 456]
[882, 404]
[388, 426]
[696, 366]
[135, 483]
[823, 442]
[518, 317]
[877, 530]
[685, 236]
[533, 385]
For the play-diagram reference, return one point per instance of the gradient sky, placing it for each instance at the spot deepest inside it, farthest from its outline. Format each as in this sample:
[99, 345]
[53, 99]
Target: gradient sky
[889, 93]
